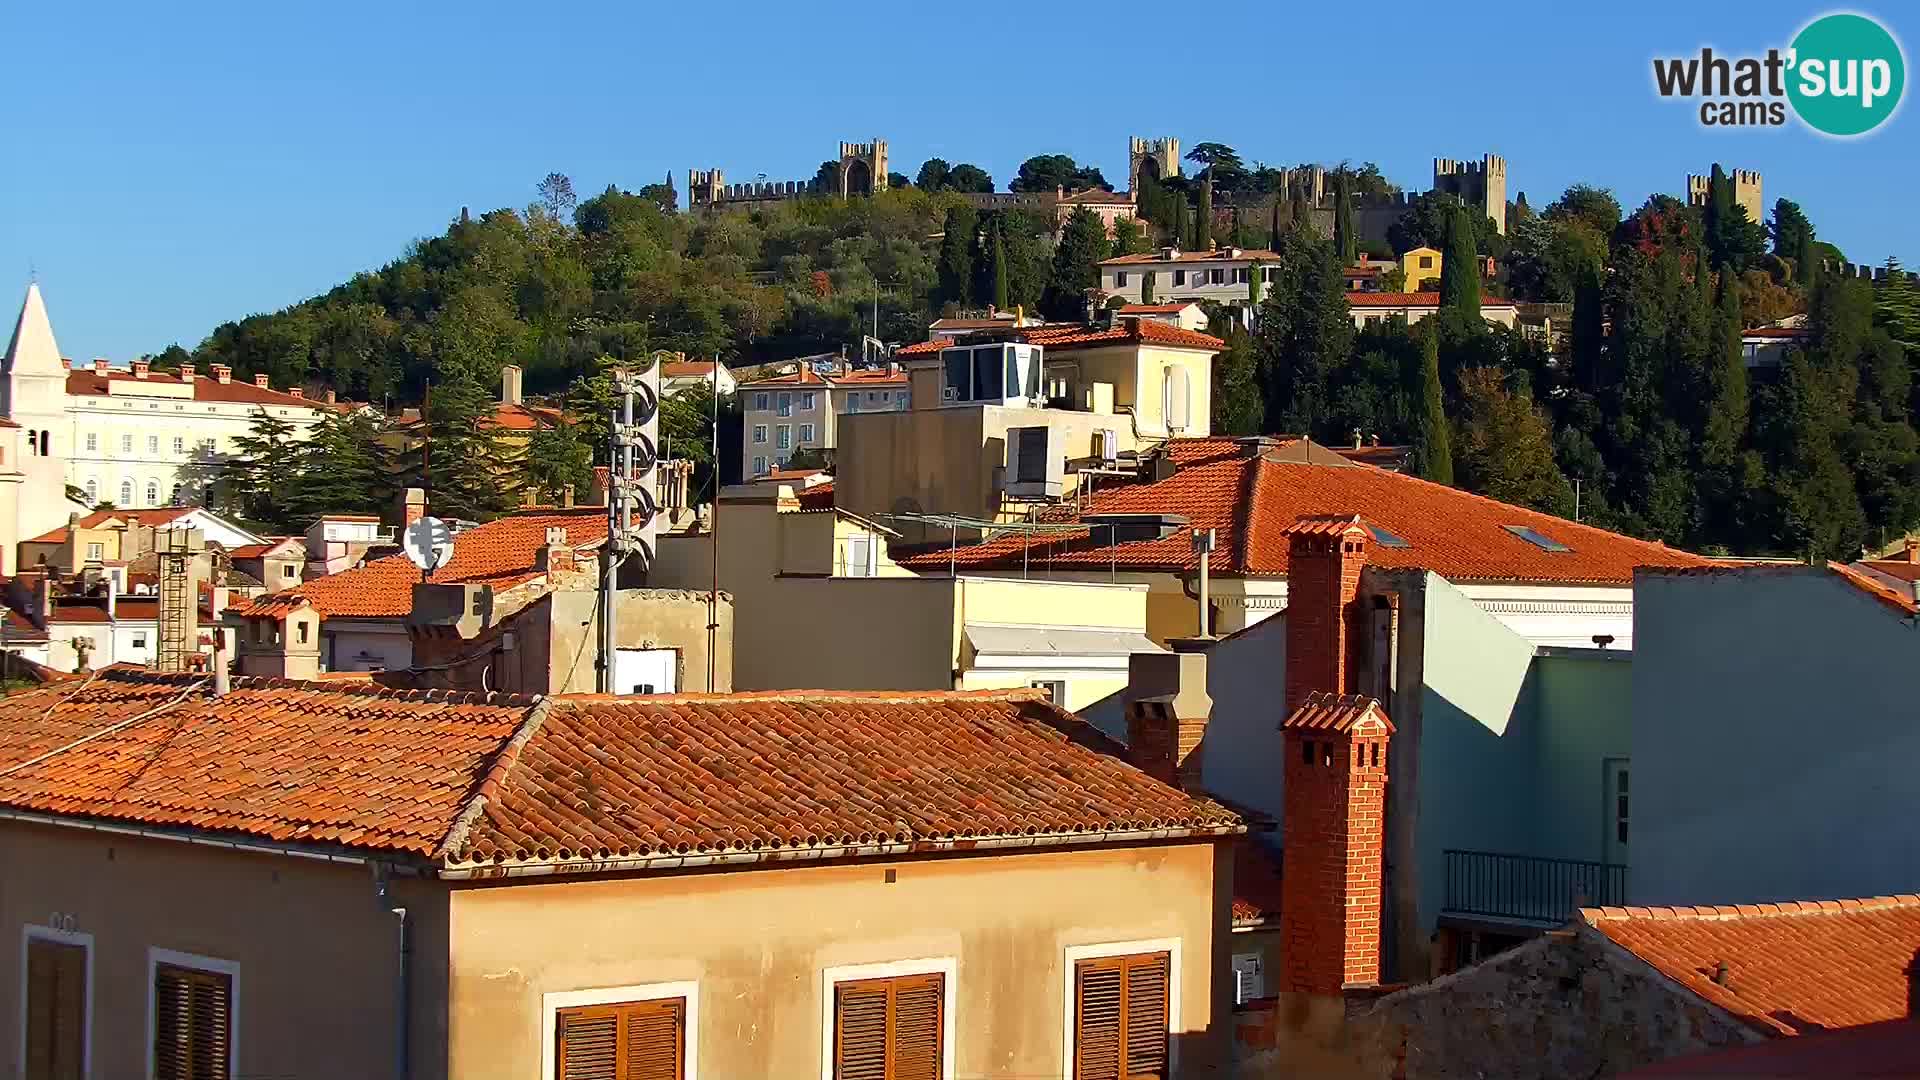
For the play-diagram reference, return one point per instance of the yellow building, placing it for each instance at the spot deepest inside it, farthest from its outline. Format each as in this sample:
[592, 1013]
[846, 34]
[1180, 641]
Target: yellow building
[1419, 266]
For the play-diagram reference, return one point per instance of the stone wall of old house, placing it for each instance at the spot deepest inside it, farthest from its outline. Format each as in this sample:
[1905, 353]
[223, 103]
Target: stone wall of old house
[1568, 1003]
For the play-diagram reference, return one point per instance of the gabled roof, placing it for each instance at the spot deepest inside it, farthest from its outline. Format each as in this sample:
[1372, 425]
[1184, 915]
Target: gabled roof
[1252, 491]
[1342, 714]
[1789, 967]
[1060, 338]
[153, 516]
[1171, 308]
[275, 544]
[686, 369]
[500, 553]
[488, 784]
[1903, 569]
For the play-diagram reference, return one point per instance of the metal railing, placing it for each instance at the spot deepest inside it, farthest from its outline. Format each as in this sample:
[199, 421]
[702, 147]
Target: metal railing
[1528, 887]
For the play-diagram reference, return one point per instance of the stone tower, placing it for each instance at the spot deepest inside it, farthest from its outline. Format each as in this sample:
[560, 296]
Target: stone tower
[1746, 191]
[863, 168]
[704, 187]
[1481, 184]
[1162, 155]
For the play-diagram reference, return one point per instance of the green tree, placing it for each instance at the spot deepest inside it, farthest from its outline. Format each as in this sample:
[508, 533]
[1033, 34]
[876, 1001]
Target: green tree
[1076, 265]
[1047, 172]
[1346, 244]
[343, 467]
[1506, 446]
[461, 462]
[1273, 226]
[1146, 287]
[1237, 405]
[969, 178]
[1583, 204]
[1793, 238]
[1432, 442]
[956, 255]
[1128, 237]
[998, 261]
[1303, 336]
[556, 456]
[1460, 268]
[258, 479]
[1724, 443]
[1203, 221]
[932, 175]
[1896, 309]
[1732, 238]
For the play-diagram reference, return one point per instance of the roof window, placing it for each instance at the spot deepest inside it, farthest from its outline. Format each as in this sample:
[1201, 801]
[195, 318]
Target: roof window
[1543, 542]
[1385, 538]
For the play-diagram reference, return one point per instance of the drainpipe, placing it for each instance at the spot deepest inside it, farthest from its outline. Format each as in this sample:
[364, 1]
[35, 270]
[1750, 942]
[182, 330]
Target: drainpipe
[403, 978]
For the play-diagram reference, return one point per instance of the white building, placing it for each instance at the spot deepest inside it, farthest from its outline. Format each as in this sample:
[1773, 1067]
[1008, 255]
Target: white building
[1224, 275]
[800, 410]
[35, 435]
[677, 375]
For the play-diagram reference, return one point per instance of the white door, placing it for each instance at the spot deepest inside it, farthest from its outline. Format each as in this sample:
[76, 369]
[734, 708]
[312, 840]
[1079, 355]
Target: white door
[645, 671]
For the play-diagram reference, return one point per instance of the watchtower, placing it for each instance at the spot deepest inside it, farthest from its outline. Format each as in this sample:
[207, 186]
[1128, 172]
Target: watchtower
[1746, 191]
[705, 187]
[1481, 184]
[1159, 157]
[863, 168]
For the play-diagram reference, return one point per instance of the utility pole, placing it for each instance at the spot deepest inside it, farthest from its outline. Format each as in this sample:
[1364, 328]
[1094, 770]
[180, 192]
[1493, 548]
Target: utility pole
[630, 506]
[713, 531]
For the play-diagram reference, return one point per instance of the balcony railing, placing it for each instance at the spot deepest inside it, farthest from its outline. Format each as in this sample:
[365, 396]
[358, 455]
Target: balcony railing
[1528, 888]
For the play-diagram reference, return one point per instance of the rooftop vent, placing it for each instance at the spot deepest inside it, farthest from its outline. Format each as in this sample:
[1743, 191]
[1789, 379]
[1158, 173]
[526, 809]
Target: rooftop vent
[1131, 528]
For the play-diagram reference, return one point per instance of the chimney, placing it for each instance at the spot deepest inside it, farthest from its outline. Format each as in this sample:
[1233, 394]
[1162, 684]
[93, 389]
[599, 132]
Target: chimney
[510, 384]
[99, 365]
[1912, 550]
[556, 555]
[140, 368]
[330, 397]
[222, 679]
[413, 506]
[1333, 840]
[186, 372]
[1167, 708]
[66, 363]
[261, 382]
[1324, 559]
[221, 373]
[297, 391]
[566, 497]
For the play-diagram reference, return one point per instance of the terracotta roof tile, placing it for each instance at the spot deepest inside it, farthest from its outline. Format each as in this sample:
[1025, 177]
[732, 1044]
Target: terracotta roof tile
[1412, 299]
[1790, 967]
[154, 516]
[499, 553]
[1339, 713]
[1251, 494]
[1132, 332]
[1895, 568]
[604, 778]
[86, 382]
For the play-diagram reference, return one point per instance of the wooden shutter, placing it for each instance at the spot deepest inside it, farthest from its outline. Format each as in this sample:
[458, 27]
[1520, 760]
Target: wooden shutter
[642, 1040]
[889, 1029]
[1120, 1018]
[192, 1024]
[56, 1033]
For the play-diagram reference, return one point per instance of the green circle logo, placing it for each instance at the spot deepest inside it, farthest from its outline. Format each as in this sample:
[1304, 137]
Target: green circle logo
[1846, 74]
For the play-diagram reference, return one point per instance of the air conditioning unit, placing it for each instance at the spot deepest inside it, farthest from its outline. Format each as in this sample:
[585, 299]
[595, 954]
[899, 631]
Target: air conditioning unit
[1036, 463]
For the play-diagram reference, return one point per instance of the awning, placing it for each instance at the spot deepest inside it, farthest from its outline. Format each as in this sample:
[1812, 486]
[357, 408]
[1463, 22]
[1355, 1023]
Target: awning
[1048, 641]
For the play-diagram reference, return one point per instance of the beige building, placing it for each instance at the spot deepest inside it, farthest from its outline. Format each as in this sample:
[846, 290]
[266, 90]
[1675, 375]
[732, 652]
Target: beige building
[822, 605]
[1411, 307]
[802, 410]
[1224, 275]
[490, 886]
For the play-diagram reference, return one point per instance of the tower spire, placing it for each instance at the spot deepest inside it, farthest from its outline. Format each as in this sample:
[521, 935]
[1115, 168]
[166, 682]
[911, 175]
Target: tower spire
[32, 350]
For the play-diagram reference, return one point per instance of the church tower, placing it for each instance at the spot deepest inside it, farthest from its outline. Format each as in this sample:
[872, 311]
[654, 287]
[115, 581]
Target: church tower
[33, 397]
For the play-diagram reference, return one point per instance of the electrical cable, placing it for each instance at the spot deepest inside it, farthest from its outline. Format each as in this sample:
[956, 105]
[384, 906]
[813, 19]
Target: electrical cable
[85, 739]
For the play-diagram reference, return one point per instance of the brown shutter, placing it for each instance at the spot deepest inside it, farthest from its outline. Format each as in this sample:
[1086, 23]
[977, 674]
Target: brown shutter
[1120, 1018]
[643, 1040]
[192, 1024]
[56, 1034]
[889, 1029]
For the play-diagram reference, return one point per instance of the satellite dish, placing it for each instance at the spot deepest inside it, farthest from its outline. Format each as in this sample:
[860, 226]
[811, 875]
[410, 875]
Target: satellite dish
[428, 544]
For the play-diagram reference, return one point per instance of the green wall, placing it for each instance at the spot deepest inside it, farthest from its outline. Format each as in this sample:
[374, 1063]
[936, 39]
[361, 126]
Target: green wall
[1585, 709]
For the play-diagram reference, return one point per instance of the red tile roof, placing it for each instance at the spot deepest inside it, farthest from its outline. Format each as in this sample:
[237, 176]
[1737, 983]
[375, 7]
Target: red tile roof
[1877, 589]
[1218, 255]
[1784, 332]
[606, 778]
[85, 381]
[1412, 299]
[1886, 1049]
[686, 369]
[499, 553]
[1895, 568]
[1338, 713]
[1131, 332]
[1171, 308]
[525, 417]
[474, 781]
[1790, 967]
[870, 377]
[817, 497]
[1252, 492]
[806, 376]
[154, 516]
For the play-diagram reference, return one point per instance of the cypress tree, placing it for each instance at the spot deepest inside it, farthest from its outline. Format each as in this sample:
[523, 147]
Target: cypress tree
[999, 259]
[1460, 268]
[1203, 223]
[1432, 445]
[1253, 287]
[1177, 227]
[1146, 288]
[1726, 428]
[1273, 226]
[956, 256]
[1344, 242]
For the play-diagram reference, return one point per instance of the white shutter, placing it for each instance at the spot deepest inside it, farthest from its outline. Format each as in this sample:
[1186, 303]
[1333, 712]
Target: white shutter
[1177, 398]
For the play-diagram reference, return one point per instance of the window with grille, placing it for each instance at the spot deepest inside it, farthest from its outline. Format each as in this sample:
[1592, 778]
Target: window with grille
[1120, 1017]
[192, 1024]
[889, 1029]
[56, 1033]
[640, 1040]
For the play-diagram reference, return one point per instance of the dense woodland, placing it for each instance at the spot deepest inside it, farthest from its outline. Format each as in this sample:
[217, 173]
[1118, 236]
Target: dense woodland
[1646, 407]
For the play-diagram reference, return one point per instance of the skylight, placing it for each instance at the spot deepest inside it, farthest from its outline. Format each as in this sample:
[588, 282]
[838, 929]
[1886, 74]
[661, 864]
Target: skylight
[1541, 541]
[1385, 538]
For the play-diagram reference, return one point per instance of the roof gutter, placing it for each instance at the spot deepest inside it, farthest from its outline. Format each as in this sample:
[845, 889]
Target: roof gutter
[257, 847]
[555, 867]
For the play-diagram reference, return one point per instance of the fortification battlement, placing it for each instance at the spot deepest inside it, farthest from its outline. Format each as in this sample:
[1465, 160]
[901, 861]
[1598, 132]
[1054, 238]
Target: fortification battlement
[851, 149]
[1488, 165]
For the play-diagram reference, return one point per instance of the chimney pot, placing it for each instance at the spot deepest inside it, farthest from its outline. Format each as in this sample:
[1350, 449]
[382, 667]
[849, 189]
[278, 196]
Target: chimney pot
[566, 497]
[140, 369]
[261, 382]
[222, 373]
[331, 396]
[297, 391]
[99, 365]
[186, 372]
[1167, 712]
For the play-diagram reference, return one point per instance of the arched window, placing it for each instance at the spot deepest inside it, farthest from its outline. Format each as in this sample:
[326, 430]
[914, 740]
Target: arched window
[126, 493]
[93, 492]
[153, 493]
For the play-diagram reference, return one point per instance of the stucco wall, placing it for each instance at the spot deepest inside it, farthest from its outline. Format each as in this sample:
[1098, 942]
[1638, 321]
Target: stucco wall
[893, 633]
[318, 955]
[643, 619]
[383, 641]
[758, 942]
[1773, 740]
[1584, 706]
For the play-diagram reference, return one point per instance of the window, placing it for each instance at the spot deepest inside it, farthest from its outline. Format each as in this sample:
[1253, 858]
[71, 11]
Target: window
[126, 444]
[1177, 408]
[899, 399]
[1537, 539]
[179, 444]
[760, 466]
[153, 493]
[96, 552]
[1217, 275]
[1270, 274]
[153, 444]
[622, 1033]
[1056, 690]
[759, 433]
[59, 1003]
[126, 490]
[93, 441]
[808, 402]
[806, 434]
[860, 556]
[1120, 280]
[783, 437]
[1179, 277]
[289, 571]
[1242, 276]
[873, 395]
[192, 1016]
[1248, 983]
[786, 404]
[1385, 538]
[139, 641]
[760, 402]
[93, 491]
[890, 1027]
[853, 403]
[1426, 262]
[1122, 1010]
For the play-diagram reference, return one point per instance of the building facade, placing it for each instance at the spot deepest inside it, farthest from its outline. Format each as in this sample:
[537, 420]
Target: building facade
[801, 410]
[1224, 275]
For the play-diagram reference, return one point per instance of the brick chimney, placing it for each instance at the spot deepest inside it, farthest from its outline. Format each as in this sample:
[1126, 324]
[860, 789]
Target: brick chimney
[556, 556]
[1167, 708]
[221, 373]
[141, 368]
[1333, 835]
[186, 372]
[510, 384]
[1324, 559]
[297, 391]
[261, 382]
[1334, 771]
[99, 365]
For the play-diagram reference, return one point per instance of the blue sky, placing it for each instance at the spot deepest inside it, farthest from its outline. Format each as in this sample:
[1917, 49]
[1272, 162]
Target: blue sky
[173, 166]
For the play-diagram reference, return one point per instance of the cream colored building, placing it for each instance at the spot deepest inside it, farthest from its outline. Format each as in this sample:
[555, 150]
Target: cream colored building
[821, 605]
[802, 410]
[35, 438]
[1411, 307]
[1224, 275]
